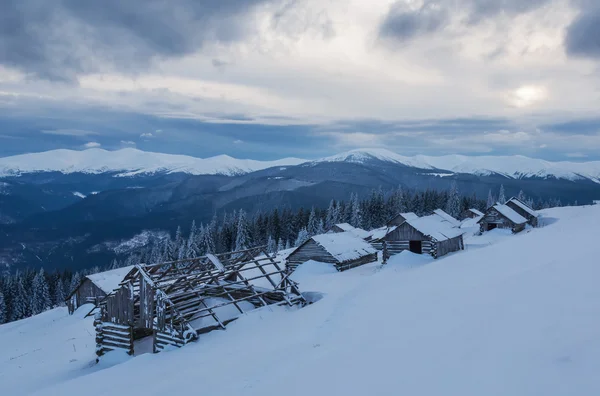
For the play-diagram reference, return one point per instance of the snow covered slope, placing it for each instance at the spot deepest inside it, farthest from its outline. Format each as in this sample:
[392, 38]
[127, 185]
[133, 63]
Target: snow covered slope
[516, 166]
[130, 162]
[507, 316]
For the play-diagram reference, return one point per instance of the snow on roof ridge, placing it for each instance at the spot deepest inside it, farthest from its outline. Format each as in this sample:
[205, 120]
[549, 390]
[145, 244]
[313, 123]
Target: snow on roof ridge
[510, 213]
[523, 206]
[344, 246]
[107, 281]
[436, 227]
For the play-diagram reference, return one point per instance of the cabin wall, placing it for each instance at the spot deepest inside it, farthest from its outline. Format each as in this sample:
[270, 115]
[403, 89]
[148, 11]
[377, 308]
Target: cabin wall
[87, 292]
[370, 258]
[398, 240]
[309, 251]
[395, 221]
[449, 246]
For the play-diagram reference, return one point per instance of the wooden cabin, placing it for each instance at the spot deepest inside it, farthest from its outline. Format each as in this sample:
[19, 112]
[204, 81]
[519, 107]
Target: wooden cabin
[502, 216]
[345, 227]
[93, 288]
[471, 214]
[176, 302]
[432, 235]
[400, 218]
[524, 210]
[344, 250]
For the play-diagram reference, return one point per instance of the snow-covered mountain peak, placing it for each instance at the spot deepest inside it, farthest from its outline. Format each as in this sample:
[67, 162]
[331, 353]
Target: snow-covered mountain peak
[361, 156]
[130, 162]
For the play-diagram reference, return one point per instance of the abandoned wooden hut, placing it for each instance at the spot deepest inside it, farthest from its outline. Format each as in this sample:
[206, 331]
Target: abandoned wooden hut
[345, 227]
[95, 287]
[502, 216]
[447, 218]
[471, 214]
[400, 218]
[175, 302]
[425, 235]
[524, 210]
[344, 250]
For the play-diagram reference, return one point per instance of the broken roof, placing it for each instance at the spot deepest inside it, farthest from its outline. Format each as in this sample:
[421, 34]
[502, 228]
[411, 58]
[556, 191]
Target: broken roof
[344, 246]
[446, 217]
[107, 281]
[436, 227]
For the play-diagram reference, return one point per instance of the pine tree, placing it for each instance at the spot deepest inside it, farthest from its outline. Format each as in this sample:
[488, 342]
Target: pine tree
[75, 281]
[40, 294]
[313, 223]
[303, 236]
[280, 245]
[490, 200]
[501, 195]
[59, 292]
[521, 197]
[242, 239]
[19, 308]
[3, 313]
[453, 204]
[192, 249]
[356, 218]
[271, 245]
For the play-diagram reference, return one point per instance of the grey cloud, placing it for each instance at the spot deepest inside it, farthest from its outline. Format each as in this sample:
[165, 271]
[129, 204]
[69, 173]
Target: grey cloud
[403, 23]
[583, 35]
[58, 40]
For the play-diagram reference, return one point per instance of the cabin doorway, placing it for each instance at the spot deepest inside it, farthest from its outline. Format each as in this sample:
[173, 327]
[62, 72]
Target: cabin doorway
[415, 247]
[491, 226]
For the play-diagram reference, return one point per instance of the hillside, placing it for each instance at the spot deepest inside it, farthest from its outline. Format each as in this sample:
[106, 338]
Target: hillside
[508, 316]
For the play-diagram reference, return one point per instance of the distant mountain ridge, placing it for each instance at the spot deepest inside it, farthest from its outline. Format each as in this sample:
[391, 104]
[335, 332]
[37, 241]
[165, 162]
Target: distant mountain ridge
[132, 162]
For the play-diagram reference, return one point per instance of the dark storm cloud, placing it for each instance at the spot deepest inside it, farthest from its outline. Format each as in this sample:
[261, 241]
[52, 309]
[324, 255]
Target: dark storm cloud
[583, 35]
[60, 39]
[404, 23]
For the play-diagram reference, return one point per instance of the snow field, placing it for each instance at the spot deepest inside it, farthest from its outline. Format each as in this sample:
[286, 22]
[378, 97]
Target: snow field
[510, 315]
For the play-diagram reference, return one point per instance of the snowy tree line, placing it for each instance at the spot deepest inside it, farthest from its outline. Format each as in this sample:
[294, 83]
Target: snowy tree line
[30, 292]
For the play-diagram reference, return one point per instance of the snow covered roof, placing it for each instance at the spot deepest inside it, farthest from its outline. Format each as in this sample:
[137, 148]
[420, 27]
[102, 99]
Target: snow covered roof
[436, 227]
[446, 217]
[380, 232]
[521, 205]
[107, 281]
[359, 232]
[476, 212]
[344, 246]
[510, 214]
[409, 215]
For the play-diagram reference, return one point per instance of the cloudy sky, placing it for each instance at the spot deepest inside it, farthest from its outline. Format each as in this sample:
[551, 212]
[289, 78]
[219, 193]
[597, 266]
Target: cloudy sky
[273, 78]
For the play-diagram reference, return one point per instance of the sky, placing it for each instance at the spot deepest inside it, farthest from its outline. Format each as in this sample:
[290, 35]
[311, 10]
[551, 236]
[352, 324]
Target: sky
[267, 79]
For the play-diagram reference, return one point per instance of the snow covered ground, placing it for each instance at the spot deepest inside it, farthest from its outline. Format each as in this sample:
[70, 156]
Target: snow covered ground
[511, 315]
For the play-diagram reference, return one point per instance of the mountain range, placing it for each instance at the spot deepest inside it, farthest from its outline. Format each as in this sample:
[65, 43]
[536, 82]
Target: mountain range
[131, 162]
[68, 208]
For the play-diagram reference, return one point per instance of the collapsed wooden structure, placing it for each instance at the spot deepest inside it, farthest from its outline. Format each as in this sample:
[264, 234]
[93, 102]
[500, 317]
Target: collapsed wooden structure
[175, 302]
